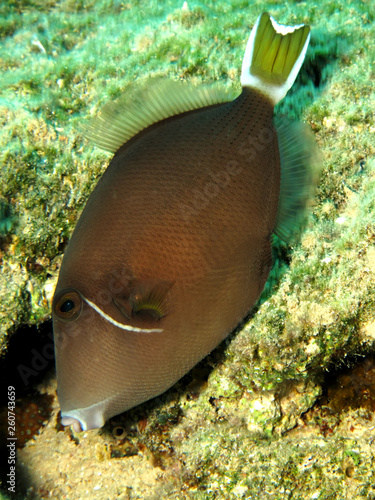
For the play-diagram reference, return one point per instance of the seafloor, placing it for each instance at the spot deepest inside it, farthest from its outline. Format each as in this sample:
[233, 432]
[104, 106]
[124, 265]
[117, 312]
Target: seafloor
[283, 410]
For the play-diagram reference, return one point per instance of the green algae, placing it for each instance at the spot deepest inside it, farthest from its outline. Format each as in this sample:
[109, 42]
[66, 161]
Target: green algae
[60, 61]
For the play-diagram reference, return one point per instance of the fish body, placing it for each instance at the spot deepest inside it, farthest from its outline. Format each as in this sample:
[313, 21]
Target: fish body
[173, 247]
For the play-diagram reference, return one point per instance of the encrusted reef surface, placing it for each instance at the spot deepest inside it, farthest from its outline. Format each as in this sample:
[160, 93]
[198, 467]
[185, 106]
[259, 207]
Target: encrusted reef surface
[285, 408]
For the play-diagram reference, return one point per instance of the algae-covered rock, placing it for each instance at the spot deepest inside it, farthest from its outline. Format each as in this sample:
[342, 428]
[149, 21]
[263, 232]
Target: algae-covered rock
[255, 428]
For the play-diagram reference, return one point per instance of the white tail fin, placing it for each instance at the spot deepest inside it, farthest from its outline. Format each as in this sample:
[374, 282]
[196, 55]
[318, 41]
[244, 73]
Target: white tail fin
[273, 57]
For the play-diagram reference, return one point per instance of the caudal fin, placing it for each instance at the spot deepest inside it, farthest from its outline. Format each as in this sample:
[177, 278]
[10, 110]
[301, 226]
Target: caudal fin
[273, 57]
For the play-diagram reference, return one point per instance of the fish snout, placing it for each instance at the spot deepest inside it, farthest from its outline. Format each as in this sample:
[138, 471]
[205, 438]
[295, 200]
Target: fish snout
[85, 419]
[76, 424]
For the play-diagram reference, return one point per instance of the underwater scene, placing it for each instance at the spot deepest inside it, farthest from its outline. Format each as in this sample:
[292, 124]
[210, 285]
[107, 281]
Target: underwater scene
[210, 333]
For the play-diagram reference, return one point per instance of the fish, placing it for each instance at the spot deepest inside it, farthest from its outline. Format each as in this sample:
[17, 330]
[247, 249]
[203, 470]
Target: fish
[174, 245]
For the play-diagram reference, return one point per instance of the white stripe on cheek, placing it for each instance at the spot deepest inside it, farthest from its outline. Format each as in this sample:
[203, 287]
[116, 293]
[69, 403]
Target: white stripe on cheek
[120, 325]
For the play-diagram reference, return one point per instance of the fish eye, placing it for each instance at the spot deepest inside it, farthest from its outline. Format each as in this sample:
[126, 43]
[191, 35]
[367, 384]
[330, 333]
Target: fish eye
[68, 305]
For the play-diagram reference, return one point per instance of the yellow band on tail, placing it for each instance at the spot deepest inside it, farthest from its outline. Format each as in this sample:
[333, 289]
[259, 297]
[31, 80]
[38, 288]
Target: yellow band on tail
[273, 57]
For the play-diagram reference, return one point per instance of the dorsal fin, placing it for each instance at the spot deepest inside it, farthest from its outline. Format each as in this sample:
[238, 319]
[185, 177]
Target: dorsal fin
[148, 103]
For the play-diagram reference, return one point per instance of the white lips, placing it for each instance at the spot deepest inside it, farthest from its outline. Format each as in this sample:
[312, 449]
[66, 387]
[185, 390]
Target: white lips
[84, 419]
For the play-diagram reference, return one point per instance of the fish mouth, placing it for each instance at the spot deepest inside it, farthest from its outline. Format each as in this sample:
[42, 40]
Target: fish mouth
[85, 419]
[77, 425]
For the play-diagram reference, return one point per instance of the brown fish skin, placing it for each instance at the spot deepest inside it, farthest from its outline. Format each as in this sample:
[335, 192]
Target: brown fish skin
[135, 225]
[176, 239]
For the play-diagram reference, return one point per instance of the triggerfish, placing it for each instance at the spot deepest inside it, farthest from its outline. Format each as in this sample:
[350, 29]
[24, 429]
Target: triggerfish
[173, 247]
